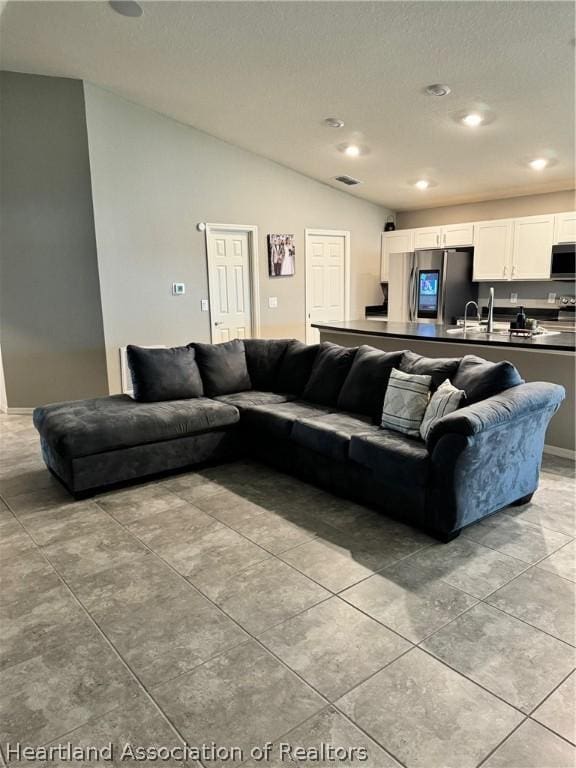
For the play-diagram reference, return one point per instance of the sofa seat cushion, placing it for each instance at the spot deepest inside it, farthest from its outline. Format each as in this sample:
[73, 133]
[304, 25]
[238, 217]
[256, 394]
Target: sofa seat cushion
[393, 457]
[254, 397]
[85, 427]
[277, 420]
[330, 435]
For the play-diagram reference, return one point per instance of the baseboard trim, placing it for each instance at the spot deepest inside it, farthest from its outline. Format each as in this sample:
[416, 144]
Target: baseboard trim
[564, 453]
[19, 411]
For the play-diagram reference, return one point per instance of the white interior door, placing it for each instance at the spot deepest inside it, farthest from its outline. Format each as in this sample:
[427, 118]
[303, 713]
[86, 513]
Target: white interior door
[326, 279]
[229, 277]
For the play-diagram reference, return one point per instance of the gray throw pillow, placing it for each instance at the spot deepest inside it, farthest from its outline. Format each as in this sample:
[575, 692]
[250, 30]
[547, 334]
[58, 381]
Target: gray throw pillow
[223, 367]
[405, 402]
[445, 400]
[439, 368]
[164, 374]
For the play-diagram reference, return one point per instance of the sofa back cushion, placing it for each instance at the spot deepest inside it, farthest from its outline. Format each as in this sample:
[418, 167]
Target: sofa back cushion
[295, 367]
[223, 367]
[263, 357]
[164, 374]
[439, 368]
[481, 379]
[365, 385]
[330, 369]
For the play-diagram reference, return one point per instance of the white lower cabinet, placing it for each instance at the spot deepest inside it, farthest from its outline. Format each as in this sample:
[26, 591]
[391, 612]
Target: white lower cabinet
[493, 250]
[532, 248]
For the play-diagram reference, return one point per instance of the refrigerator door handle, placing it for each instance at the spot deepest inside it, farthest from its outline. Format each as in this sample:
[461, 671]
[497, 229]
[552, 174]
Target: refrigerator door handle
[411, 288]
[441, 317]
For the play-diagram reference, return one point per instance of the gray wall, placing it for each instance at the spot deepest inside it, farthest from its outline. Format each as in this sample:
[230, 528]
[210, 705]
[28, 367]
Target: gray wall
[50, 314]
[154, 179]
[510, 207]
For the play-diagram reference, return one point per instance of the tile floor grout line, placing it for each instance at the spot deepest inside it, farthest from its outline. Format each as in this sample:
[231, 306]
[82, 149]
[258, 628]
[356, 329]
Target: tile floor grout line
[115, 651]
[548, 695]
[280, 661]
[497, 747]
[551, 730]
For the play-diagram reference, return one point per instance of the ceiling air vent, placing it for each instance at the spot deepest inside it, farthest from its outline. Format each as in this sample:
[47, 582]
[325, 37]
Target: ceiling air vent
[350, 181]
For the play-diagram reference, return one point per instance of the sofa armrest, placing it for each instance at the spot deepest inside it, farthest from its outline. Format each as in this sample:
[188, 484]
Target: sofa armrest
[488, 455]
[497, 410]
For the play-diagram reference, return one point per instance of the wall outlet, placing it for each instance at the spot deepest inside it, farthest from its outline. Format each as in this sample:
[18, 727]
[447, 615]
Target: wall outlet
[178, 289]
[272, 302]
[204, 305]
[513, 298]
[551, 298]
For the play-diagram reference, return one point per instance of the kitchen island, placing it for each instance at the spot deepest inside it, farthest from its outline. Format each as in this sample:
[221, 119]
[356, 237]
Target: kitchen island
[540, 358]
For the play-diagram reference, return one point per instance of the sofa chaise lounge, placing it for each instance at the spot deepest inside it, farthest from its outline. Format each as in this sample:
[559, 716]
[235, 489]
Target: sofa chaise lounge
[313, 411]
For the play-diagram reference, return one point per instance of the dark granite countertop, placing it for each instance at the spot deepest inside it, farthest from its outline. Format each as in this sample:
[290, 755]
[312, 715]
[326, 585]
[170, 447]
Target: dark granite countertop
[562, 342]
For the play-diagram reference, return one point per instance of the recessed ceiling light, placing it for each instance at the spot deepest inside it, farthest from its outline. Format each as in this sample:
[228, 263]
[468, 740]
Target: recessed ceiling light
[126, 8]
[422, 184]
[437, 89]
[352, 150]
[333, 122]
[473, 120]
[538, 164]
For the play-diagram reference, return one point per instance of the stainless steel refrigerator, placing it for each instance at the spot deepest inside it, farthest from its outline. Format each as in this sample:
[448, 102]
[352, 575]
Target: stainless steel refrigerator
[430, 286]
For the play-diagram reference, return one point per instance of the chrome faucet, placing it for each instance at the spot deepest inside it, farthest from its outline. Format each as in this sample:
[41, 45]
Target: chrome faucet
[466, 312]
[490, 325]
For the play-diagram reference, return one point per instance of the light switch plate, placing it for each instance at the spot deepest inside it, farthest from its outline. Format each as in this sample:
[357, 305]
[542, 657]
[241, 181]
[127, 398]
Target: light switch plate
[272, 302]
[178, 289]
[513, 298]
[204, 305]
[551, 298]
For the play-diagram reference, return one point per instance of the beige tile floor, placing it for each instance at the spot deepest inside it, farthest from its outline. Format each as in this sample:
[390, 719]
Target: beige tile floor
[237, 605]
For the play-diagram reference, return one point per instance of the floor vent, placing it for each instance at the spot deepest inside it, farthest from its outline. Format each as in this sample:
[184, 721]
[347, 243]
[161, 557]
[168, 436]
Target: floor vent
[350, 181]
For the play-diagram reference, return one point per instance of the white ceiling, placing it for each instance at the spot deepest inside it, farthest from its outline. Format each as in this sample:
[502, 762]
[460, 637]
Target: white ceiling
[263, 75]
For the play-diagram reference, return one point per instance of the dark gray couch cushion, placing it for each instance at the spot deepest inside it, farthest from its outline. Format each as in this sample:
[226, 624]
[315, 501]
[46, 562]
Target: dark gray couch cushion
[254, 397]
[278, 420]
[365, 385]
[295, 367]
[330, 369]
[481, 379]
[86, 427]
[330, 435]
[440, 368]
[164, 374]
[393, 457]
[263, 357]
[223, 367]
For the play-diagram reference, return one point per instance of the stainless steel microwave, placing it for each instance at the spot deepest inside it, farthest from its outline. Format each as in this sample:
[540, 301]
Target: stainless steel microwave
[563, 262]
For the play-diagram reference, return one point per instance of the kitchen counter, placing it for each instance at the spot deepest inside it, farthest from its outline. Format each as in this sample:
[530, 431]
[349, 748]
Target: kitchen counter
[559, 342]
[541, 358]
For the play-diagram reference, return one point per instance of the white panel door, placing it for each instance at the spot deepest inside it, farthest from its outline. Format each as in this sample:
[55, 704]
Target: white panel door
[229, 285]
[325, 281]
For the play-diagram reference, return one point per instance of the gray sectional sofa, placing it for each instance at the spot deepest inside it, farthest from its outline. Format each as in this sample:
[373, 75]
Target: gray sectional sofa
[313, 411]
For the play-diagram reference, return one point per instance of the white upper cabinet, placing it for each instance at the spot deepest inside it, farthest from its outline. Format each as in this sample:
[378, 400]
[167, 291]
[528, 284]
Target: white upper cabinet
[532, 248]
[493, 250]
[398, 241]
[455, 235]
[565, 227]
[427, 237]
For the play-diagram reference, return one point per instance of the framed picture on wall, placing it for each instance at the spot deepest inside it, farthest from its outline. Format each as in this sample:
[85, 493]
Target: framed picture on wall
[281, 255]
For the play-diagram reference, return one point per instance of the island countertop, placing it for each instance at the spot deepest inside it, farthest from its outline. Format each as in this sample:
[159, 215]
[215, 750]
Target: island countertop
[560, 342]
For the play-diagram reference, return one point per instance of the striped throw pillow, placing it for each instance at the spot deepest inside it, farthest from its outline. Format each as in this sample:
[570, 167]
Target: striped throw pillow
[445, 400]
[405, 402]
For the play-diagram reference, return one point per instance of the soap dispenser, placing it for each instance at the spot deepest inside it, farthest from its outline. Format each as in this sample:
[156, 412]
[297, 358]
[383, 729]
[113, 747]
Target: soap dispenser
[521, 319]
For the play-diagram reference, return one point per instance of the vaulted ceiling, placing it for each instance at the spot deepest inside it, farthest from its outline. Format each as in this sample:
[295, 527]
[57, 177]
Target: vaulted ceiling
[264, 75]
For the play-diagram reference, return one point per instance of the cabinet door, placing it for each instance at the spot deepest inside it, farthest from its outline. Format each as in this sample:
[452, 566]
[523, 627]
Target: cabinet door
[399, 241]
[493, 250]
[427, 237]
[565, 227]
[532, 249]
[457, 234]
